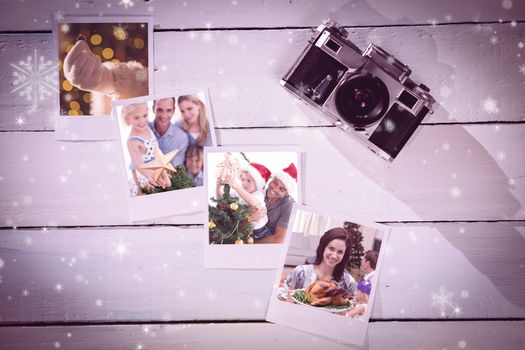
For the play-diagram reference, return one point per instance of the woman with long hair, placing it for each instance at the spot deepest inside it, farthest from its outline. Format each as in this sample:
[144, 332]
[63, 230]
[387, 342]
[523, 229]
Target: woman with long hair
[332, 255]
[194, 120]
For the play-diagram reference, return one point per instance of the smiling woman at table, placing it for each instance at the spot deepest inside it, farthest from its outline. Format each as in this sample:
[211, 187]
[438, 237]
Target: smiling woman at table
[332, 255]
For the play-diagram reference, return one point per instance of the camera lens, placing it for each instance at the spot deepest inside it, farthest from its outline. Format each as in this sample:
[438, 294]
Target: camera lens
[362, 99]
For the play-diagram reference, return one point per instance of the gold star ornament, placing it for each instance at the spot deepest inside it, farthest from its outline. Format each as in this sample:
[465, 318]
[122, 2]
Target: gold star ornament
[161, 165]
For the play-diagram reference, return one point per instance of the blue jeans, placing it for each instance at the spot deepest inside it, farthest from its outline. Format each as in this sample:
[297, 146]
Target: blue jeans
[261, 232]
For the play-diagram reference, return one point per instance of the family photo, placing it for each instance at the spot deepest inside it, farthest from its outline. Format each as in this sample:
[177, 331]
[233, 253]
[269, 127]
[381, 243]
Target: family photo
[163, 142]
[100, 62]
[329, 271]
[251, 195]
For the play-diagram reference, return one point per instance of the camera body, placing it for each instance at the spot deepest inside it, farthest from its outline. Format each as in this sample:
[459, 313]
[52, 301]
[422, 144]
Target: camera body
[368, 94]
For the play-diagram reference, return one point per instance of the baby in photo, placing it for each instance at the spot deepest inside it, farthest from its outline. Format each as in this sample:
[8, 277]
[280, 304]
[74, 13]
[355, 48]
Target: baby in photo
[249, 188]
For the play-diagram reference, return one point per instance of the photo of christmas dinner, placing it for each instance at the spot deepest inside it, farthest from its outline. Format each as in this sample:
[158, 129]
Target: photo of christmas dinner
[101, 60]
[251, 194]
[330, 272]
[163, 140]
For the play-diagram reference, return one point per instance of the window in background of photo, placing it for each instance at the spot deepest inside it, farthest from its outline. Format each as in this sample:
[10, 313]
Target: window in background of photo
[308, 228]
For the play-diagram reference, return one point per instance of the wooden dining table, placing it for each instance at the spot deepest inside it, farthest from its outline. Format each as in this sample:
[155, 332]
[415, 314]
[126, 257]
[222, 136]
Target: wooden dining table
[75, 273]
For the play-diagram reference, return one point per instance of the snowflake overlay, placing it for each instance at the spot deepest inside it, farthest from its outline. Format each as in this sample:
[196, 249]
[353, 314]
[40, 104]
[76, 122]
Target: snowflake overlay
[35, 79]
[443, 300]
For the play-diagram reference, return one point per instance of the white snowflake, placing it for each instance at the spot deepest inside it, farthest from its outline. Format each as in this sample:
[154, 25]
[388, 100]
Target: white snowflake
[442, 300]
[146, 329]
[433, 21]
[303, 88]
[522, 69]
[59, 287]
[120, 249]
[126, 3]
[521, 45]
[490, 106]
[455, 192]
[59, 16]
[390, 126]
[448, 18]
[507, 4]
[35, 78]
[83, 254]
[494, 40]
[457, 310]
[20, 121]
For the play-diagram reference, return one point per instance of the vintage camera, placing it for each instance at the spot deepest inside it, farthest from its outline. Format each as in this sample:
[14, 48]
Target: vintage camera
[366, 93]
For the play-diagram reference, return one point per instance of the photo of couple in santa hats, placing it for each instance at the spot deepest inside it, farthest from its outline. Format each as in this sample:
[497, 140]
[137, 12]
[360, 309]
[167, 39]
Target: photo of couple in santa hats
[251, 193]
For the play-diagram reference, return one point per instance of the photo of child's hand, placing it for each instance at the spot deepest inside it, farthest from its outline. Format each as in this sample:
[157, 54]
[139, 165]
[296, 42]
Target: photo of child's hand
[232, 181]
[160, 182]
[84, 70]
[257, 213]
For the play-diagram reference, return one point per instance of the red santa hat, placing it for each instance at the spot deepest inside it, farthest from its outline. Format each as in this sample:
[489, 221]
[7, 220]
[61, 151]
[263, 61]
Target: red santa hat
[258, 172]
[288, 177]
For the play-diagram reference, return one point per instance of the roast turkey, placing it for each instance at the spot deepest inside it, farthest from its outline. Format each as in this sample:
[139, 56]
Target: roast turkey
[322, 293]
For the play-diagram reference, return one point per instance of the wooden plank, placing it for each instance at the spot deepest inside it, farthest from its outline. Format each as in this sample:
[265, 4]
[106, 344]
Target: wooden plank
[430, 271]
[446, 173]
[32, 15]
[247, 66]
[382, 335]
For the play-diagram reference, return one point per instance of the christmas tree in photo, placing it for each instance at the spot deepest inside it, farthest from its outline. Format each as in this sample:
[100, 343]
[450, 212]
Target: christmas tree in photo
[356, 238]
[228, 219]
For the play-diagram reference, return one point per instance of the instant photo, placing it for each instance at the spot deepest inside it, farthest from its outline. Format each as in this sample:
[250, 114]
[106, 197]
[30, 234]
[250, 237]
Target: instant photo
[100, 60]
[162, 141]
[328, 275]
[250, 191]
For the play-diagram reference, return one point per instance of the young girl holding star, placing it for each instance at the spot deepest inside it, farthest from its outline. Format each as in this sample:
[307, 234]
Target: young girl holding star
[141, 145]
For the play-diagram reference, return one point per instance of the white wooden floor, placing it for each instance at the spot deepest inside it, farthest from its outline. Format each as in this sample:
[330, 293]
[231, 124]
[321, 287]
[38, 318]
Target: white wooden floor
[454, 276]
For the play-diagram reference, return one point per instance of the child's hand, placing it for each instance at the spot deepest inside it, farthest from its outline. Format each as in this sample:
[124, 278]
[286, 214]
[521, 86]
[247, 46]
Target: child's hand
[83, 69]
[233, 182]
[160, 182]
[257, 213]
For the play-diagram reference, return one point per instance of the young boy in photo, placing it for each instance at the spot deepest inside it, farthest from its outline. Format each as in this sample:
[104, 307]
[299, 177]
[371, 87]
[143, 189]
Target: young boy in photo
[193, 162]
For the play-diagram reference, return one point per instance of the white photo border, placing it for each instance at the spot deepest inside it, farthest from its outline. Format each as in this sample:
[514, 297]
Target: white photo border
[158, 205]
[96, 127]
[247, 256]
[316, 321]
